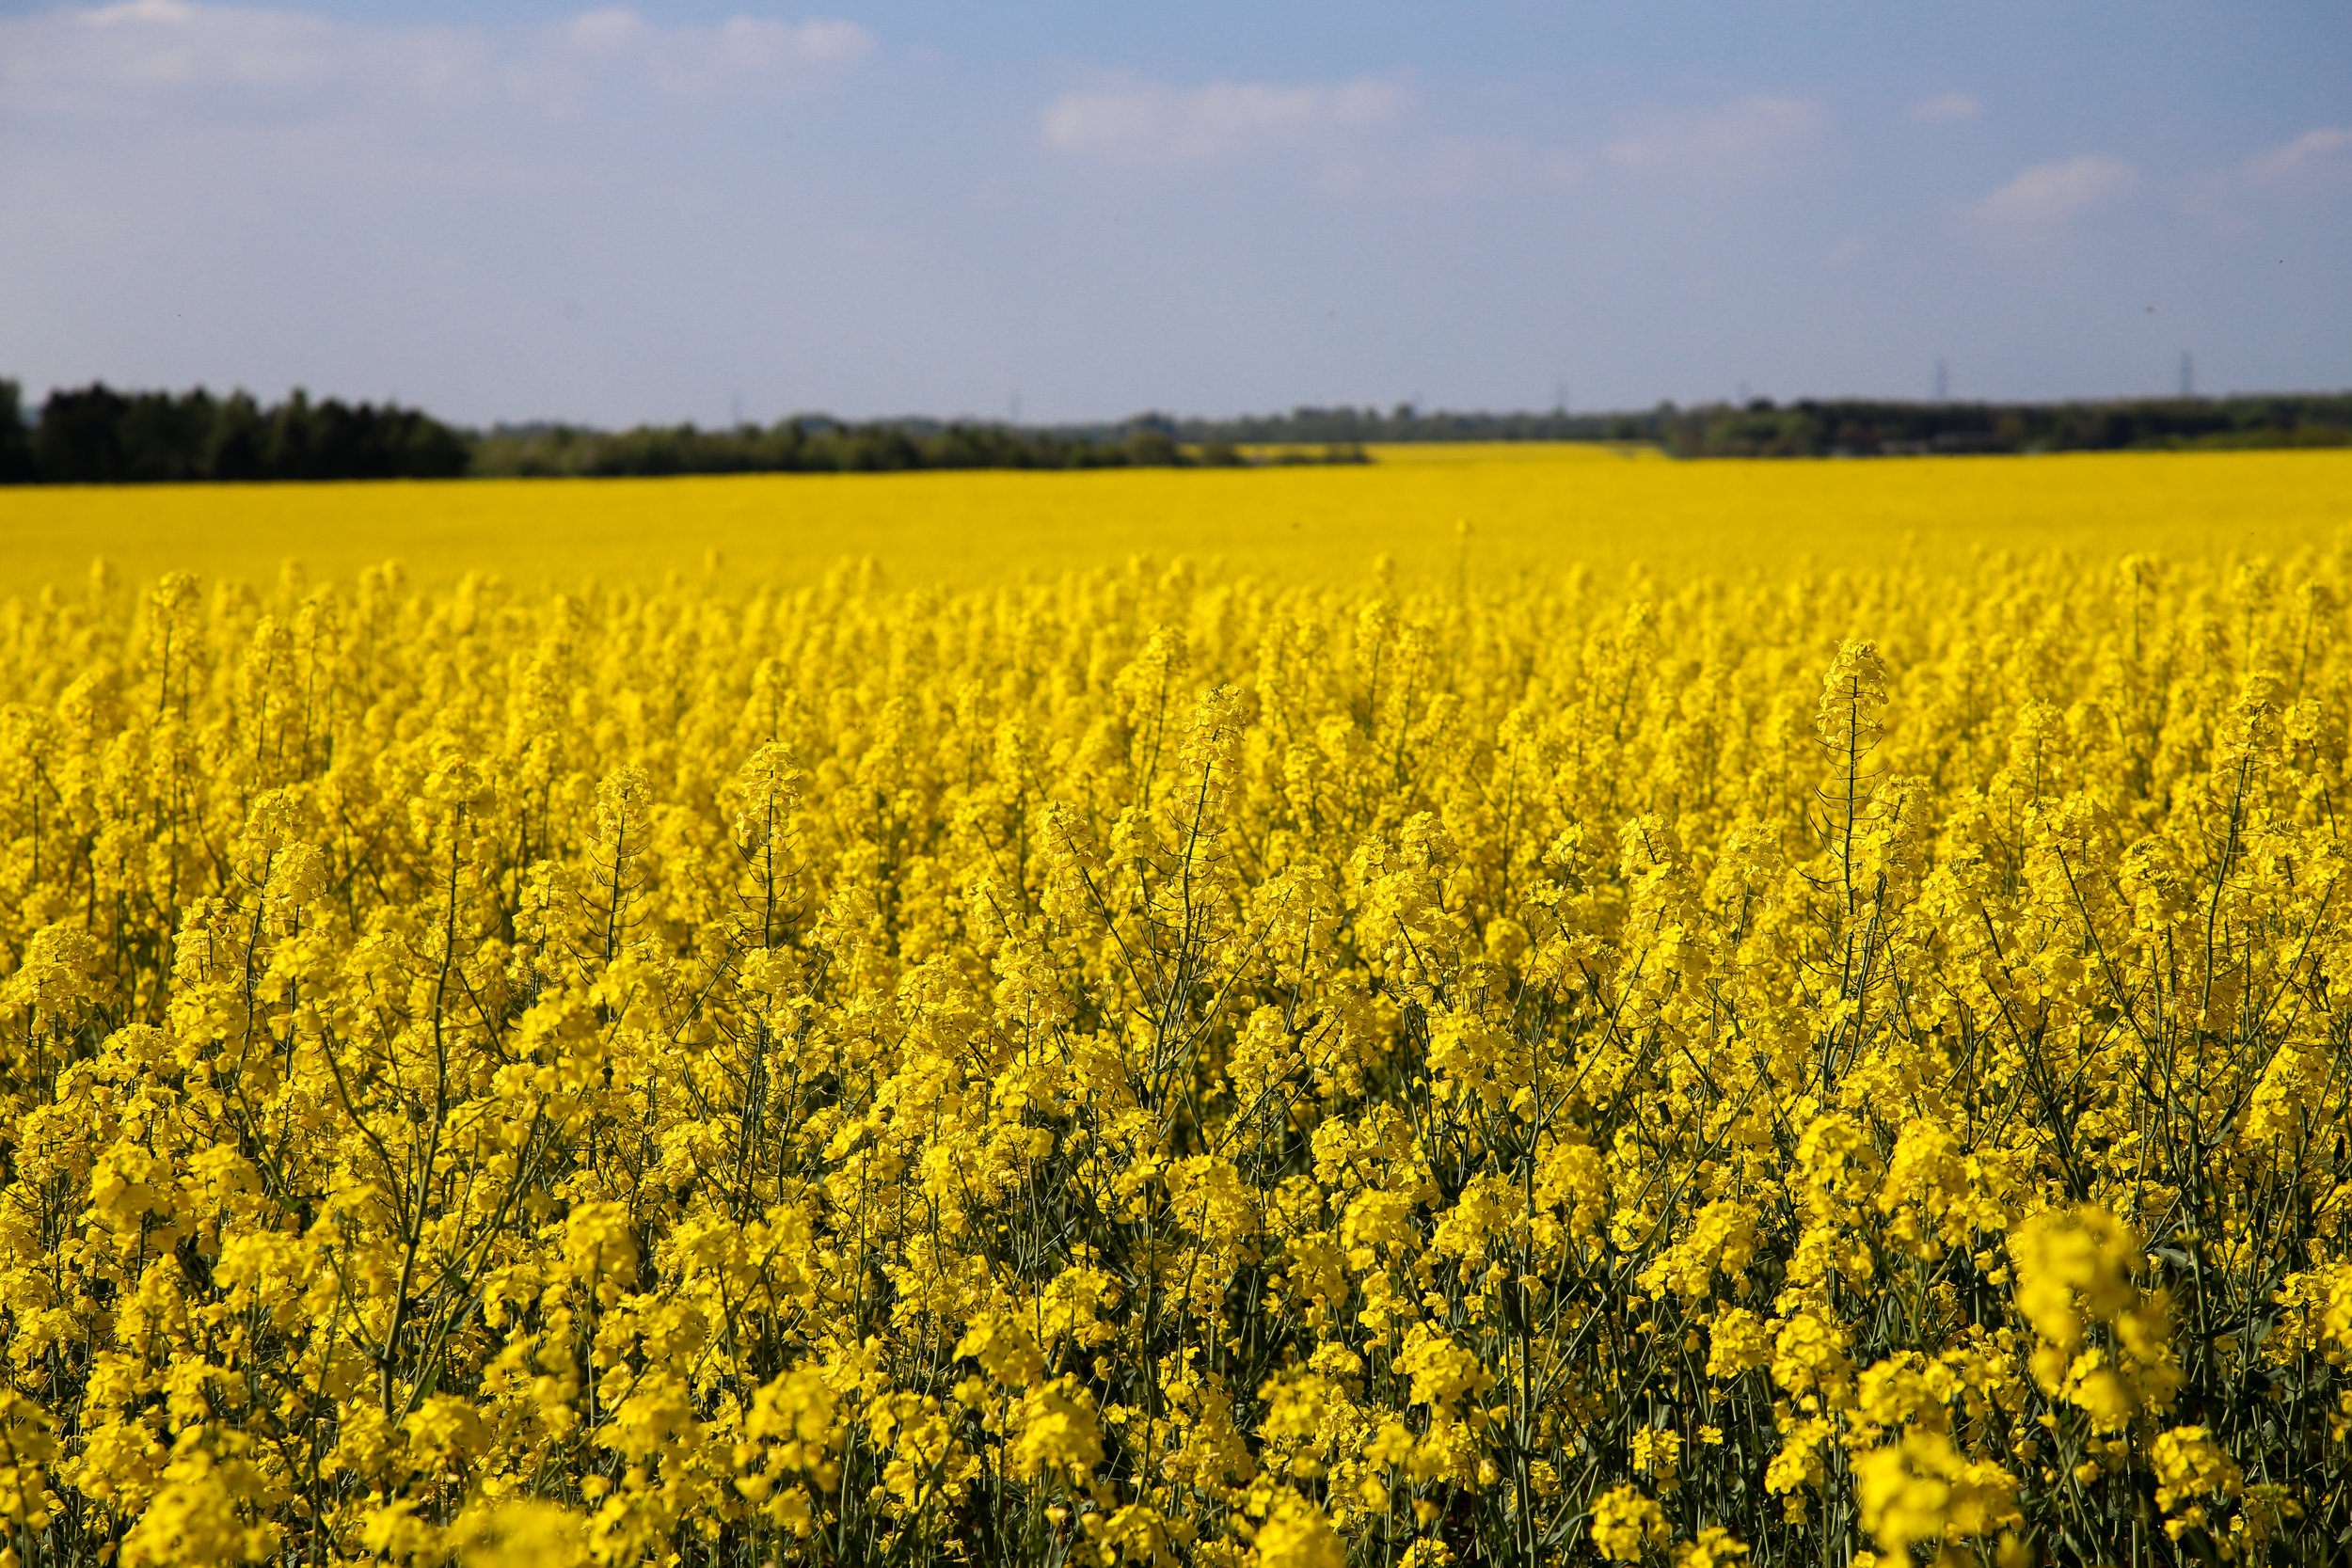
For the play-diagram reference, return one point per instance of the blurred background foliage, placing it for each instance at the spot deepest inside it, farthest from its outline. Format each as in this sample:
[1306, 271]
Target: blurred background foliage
[99, 436]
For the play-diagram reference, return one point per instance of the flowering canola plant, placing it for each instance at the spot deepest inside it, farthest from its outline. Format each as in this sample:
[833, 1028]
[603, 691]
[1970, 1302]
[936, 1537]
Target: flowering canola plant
[1153, 1068]
[1537, 504]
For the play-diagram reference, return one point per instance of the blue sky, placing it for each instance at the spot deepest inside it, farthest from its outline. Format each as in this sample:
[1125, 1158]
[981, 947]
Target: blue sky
[691, 211]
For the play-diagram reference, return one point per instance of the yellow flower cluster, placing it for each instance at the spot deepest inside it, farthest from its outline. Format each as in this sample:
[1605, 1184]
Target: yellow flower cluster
[1153, 1067]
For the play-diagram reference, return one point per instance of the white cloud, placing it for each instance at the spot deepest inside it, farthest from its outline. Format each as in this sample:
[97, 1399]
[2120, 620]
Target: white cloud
[2314, 148]
[688, 58]
[140, 10]
[2047, 194]
[757, 41]
[1146, 122]
[1739, 136]
[608, 30]
[742, 53]
[122, 57]
[147, 46]
[1948, 108]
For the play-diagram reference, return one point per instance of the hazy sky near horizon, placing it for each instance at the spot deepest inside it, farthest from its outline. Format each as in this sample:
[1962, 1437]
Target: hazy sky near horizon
[696, 210]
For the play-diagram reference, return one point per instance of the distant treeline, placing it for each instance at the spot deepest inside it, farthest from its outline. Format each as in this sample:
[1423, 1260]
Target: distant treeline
[1839, 427]
[1855, 427]
[98, 435]
[1357, 427]
[819, 444]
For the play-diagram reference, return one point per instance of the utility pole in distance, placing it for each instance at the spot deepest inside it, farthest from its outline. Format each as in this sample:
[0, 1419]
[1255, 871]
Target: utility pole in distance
[1943, 381]
[2188, 375]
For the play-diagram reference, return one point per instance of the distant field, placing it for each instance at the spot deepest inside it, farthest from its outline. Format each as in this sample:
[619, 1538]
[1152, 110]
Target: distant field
[1529, 506]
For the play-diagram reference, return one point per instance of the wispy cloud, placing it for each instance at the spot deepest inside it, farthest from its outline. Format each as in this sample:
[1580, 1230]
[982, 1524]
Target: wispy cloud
[696, 61]
[2046, 195]
[1152, 123]
[124, 57]
[115, 55]
[1946, 108]
[2324, 147]
[1376, 136]
[1739, 136]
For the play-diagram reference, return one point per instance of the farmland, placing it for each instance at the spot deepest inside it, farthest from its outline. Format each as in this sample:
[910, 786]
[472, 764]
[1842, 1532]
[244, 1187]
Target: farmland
[1767, 1013]
[1542, 508]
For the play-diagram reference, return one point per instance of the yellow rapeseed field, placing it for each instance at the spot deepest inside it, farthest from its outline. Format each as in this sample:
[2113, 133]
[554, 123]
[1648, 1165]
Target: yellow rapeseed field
[1533, 507]
[1780, 1014]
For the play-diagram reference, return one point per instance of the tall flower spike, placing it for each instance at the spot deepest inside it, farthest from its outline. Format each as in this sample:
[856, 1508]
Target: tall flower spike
[1851, 721]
